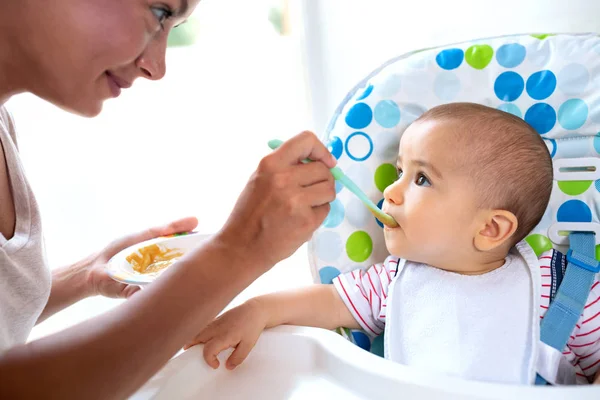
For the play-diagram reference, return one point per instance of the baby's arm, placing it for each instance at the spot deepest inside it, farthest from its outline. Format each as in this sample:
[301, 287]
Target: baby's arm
[317, 305]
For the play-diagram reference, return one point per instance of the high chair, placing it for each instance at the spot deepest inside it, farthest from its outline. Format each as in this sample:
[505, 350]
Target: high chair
[553, 83]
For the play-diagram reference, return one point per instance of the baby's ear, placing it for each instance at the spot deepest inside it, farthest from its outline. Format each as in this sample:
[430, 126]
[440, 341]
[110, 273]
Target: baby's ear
[495, 230]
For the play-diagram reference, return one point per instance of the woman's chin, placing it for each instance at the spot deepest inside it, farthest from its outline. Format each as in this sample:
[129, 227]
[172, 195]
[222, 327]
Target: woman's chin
[84, 108]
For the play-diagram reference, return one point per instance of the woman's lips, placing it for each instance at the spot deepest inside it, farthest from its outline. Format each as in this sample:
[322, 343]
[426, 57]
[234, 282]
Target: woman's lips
[116, 83]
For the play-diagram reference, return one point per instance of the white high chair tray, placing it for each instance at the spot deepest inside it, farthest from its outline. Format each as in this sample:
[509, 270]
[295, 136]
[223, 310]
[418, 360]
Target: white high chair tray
[307, 363]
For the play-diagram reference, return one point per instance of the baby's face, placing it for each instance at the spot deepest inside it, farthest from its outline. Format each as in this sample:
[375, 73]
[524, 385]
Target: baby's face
[433, 199]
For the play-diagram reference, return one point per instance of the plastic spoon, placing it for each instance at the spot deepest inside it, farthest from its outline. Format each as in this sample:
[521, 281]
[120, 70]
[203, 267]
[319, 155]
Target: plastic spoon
[339, 175]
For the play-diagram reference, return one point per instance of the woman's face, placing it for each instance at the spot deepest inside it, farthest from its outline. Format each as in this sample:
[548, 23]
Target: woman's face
[79, 53]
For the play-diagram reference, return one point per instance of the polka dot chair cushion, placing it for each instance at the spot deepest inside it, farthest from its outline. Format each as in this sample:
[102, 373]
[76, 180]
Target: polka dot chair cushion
[552, 81]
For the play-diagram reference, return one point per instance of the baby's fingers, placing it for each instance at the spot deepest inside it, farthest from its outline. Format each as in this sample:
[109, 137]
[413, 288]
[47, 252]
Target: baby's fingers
[212, 349]
[240, 353]
[204, 336]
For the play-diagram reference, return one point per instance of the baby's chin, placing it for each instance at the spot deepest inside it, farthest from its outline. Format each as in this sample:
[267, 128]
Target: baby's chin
[406, 254]
[396, 251]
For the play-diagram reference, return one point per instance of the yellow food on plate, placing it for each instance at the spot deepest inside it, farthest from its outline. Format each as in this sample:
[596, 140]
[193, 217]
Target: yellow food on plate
[152, 258]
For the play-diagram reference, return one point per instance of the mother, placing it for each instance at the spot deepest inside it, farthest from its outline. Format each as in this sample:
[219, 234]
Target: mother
[76, 54]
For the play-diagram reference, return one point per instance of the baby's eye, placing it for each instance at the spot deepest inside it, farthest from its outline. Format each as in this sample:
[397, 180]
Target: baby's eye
[399, 173]
[422, 180]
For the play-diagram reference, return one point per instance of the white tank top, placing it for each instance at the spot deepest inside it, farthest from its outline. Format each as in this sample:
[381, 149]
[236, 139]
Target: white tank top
[25, 279]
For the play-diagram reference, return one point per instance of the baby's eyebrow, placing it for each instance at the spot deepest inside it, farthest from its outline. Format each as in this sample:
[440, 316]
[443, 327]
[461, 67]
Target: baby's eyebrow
[424, 164]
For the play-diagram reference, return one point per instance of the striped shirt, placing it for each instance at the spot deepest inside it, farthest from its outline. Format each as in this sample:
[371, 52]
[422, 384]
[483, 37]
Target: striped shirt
[366, 292]
[583, 347]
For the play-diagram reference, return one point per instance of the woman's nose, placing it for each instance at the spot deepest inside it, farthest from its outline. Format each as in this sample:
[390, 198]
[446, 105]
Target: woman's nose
[151, 63]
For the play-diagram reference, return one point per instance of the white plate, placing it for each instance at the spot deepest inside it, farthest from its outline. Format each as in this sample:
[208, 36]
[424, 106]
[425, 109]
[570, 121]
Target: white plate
[121, 270]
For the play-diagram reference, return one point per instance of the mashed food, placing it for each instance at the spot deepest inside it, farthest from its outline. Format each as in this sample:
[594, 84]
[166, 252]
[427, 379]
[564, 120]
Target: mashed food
[152, 258]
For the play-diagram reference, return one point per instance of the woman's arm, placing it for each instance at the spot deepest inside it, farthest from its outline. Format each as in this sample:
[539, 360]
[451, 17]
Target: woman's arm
[110, 356]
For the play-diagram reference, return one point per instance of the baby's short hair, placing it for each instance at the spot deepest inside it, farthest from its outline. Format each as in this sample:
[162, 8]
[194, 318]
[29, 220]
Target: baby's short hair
[507, 159]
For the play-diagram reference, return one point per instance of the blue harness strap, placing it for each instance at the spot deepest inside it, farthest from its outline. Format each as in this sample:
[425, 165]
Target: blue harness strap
[566, 308]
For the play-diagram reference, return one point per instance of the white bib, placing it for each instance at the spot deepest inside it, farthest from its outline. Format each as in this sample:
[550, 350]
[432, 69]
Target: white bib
[433, 312]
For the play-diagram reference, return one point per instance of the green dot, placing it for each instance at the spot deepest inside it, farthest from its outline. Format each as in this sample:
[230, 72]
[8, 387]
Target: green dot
[542, 36]
[574, 188]
[598, 252]
[385, 175]
[479, 56]
[539, 243]
[359, 246]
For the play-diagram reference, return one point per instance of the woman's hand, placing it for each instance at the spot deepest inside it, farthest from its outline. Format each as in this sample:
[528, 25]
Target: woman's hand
[284, 202]
[99, 283]
[89, 278]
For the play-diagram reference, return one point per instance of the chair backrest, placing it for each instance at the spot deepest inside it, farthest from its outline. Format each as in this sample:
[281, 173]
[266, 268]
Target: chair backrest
[552, 81]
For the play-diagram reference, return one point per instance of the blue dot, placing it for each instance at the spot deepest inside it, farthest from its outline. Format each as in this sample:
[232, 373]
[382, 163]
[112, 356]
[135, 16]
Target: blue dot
[553, 146]
[509, 86]
[418, 60]
[379, 205]
[574, 211]
[387, 113]
[386, 144]
[358, 215]
[541, 117]
[510, 55]
[450, 58]
[361, 340]
[511, 109]
[410, 112]
[366, 92]
[335, 216]
[328, 274]
[597, 185]
[359, 116]
[446, 86]
[377, 346]
[597, 143]
[541, 85]
[573, 79]
[540, 53]
[336, 147]
[361, 149]
[390, 86]
[328, 246]
[572, 114]
[361, 175]
[338, 187]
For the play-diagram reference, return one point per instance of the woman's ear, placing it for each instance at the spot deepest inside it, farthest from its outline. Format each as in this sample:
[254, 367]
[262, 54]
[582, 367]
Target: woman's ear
[496, 229]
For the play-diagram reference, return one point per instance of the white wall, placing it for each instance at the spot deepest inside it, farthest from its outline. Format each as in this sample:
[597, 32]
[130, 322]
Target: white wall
[347, 39]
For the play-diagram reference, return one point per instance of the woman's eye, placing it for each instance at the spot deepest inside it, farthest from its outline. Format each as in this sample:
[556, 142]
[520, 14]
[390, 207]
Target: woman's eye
[162, 14]
[400, 173]
[422, 180]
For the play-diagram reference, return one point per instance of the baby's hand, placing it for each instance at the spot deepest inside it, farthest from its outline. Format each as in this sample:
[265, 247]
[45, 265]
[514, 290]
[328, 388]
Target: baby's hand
[239, 328]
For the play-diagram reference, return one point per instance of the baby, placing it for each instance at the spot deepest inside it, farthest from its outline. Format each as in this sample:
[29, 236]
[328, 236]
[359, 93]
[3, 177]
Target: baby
[457, 295]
